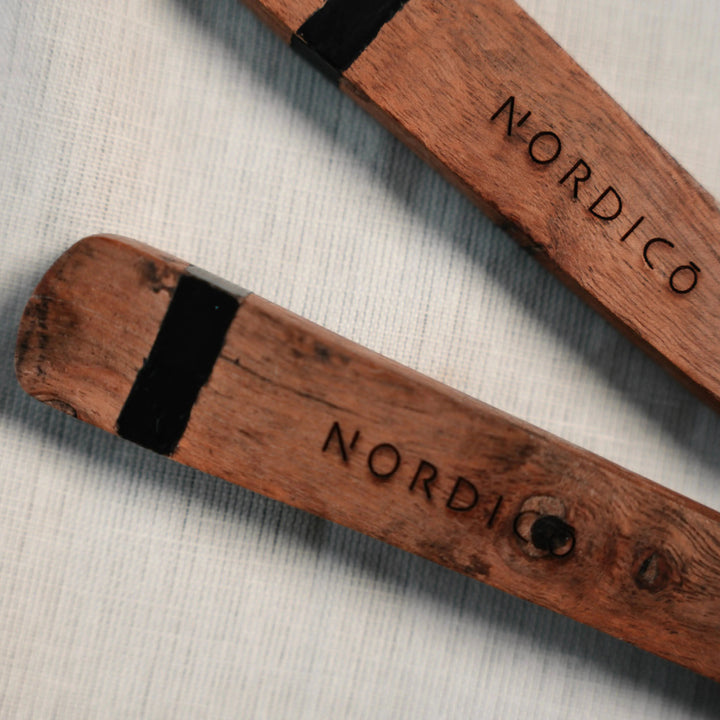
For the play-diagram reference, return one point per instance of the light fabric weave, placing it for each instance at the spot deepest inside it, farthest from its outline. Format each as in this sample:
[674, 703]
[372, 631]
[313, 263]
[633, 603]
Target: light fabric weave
[131, 587]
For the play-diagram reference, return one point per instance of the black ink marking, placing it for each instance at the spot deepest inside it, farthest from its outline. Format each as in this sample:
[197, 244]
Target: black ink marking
[190, 338]
[386, 450]
[426, 472]
[462, 504]
[334, 36]
[524, 118]
[493, 515]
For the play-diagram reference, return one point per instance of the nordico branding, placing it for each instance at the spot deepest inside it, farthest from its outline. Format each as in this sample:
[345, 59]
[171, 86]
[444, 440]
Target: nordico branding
[545, 148]
[385, 462]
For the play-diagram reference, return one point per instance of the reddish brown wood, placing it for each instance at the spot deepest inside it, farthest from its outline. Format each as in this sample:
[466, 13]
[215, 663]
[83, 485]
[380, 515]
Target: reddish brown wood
[303, 416]
[437, 76]
[284, 16]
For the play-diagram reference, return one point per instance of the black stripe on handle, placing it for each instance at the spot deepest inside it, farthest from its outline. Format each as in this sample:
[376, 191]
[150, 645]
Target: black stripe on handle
[190, 338]
[336, 35]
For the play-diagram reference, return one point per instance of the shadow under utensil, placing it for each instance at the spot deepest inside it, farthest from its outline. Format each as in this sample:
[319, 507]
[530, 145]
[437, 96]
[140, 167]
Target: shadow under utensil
[394, 571]
[677, 414]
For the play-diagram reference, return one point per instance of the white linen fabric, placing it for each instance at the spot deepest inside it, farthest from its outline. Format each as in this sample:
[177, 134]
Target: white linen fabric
[131, 587]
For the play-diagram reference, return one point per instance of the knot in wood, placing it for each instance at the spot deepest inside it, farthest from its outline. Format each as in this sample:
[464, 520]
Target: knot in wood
[553, 535]
[655, 570]
[542, 527]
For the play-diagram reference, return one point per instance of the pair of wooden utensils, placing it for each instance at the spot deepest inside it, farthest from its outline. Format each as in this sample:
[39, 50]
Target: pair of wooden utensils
[145, 346]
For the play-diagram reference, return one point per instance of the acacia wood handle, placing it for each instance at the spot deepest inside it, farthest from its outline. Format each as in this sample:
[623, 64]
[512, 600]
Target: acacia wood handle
[141, 345]
[477, 89]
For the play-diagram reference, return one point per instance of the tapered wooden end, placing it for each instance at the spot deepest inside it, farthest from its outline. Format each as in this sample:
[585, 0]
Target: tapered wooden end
[162, 354]
[90, 323]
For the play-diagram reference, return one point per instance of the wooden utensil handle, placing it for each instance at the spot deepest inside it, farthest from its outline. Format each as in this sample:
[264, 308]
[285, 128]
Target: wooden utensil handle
[141, 345]
[477, 89]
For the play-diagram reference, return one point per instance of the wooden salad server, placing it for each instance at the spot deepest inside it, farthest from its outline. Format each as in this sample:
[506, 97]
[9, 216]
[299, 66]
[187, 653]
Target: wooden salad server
[161, 353]
[477, 89]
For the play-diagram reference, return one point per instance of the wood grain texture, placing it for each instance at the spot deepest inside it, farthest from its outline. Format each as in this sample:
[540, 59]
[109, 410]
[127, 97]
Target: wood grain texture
[561, 166]
[284, 16]
[301, 415]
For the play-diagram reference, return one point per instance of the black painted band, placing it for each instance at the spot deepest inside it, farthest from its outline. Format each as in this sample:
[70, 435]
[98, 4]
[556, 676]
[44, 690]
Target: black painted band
[334, 36]
[190, 338]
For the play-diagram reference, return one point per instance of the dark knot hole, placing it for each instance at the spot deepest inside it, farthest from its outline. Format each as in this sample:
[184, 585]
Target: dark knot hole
[552, 534]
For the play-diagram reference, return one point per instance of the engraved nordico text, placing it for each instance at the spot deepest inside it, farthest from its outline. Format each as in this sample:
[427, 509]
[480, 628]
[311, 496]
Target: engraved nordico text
[385, 462]
[545, 149]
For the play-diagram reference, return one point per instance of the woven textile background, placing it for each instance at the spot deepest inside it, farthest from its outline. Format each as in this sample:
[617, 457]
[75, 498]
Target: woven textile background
[131, 587]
